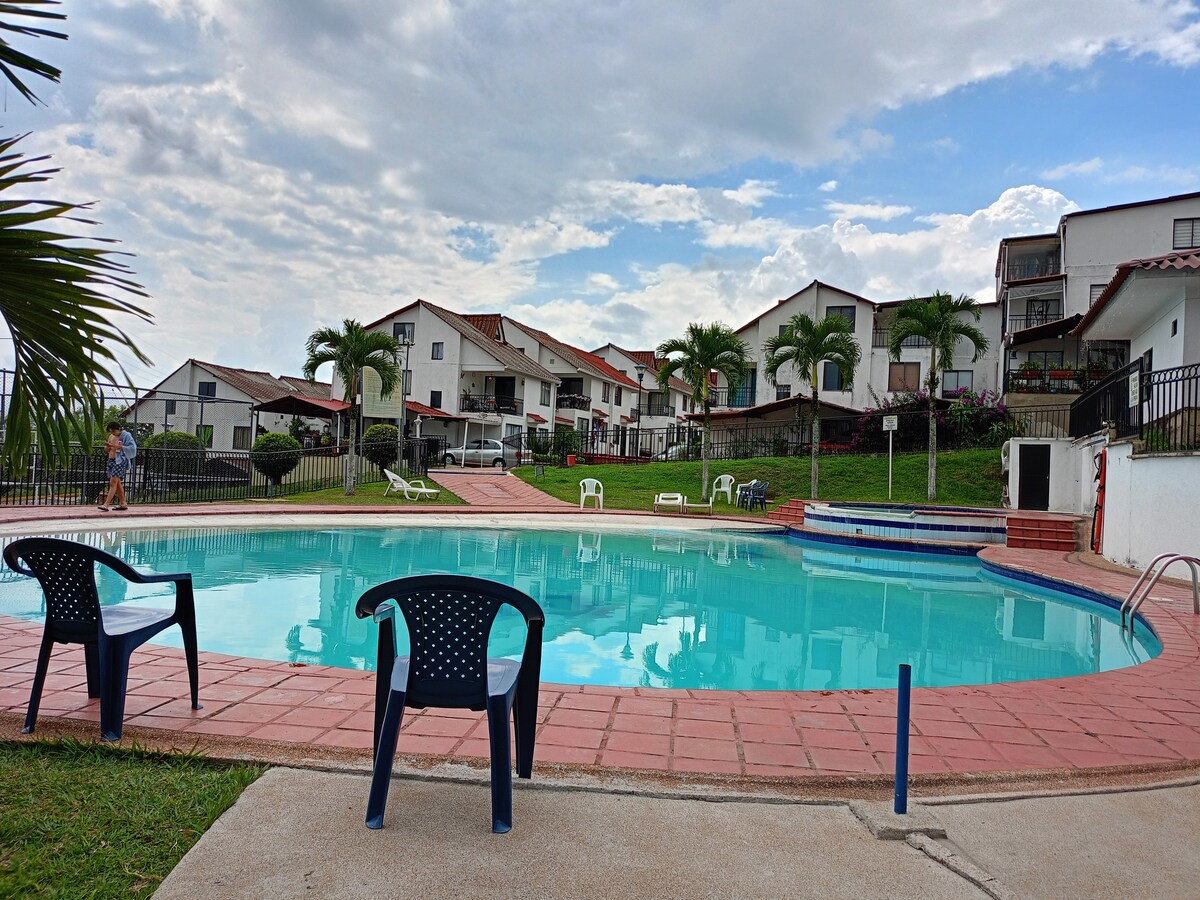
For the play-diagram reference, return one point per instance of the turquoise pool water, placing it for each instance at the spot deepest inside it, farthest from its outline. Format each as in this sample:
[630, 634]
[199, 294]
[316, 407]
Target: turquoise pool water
[654, 608]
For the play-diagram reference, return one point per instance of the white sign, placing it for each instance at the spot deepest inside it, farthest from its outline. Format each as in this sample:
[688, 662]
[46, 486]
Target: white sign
[1135, 389]
[891, 423]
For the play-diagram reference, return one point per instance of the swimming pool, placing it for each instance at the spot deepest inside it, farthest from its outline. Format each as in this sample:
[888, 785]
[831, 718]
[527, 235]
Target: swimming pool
[655, 608]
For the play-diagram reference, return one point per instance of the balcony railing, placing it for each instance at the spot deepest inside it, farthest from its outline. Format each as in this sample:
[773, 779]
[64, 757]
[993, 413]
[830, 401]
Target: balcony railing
[881, 336]
[1029, 320]
[490, 403]
[1053, 381]
[1108, 401]
[740, 399]
[574, 401]
[654, 409]
[1032, 268]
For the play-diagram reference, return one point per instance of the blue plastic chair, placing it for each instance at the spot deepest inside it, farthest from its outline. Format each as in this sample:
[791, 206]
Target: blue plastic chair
[757, 495]
[449, 618]
[67, 573]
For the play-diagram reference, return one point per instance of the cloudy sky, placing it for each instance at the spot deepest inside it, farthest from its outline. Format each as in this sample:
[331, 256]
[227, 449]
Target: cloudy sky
[605, 171]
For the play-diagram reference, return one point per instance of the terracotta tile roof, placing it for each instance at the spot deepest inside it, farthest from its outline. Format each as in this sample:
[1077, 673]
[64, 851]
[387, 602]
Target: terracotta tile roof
[580, 359]
[509, 357]
[432, 412]
[488, 323]
[319, 389]
[653, 363]
[259, 385]
[755, 412]
[534, 417]
[1181, 260]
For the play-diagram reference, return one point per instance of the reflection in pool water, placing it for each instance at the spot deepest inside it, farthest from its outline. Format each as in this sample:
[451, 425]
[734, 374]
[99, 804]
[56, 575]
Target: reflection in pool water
[652, 608]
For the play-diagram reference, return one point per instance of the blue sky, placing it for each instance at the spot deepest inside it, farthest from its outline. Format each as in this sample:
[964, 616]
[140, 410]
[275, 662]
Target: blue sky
[608, 172]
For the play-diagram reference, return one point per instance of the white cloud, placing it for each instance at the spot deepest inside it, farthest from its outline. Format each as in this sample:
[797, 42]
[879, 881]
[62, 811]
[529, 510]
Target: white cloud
[752, 192]
[1086, 167]
[827, 186]
[882, 212]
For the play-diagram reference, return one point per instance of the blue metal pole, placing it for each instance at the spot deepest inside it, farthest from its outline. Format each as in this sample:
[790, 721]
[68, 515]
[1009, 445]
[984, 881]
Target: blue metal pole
[902, 727]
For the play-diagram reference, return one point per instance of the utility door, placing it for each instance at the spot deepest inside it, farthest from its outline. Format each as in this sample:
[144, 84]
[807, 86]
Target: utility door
[1033, 476]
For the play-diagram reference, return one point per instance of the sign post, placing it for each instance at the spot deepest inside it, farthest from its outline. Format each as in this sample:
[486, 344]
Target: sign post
[890, 423]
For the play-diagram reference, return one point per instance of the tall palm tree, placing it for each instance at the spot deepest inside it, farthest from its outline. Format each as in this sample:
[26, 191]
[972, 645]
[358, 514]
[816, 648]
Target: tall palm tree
[941, 320]
[55, 294]
[702, 350]
[804, 345]
[351, 350]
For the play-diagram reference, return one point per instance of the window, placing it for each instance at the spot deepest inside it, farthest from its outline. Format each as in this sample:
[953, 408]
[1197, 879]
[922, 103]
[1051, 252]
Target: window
[170, 410]
[581, 424]
[831, 378]
[403, 332]
[206, 389]
[1187, 234]
[438, 350]
[904, 376]
[846, 312]
[617, 398]
[205, 433]
[1094, 293]
[782, 330]
[1148, 360]
[241, 437]
[604, 391]
[783, 391]
[435, 399]
[545, 393]
[512, 434]
[957, 380]
[1046, 359]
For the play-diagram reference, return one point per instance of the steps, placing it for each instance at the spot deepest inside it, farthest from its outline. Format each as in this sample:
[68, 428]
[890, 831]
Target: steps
[790, 513]
[1037, 533]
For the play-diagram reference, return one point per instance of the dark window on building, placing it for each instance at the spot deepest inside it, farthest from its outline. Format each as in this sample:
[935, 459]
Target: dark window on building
[904, 376]
[545, 393]
[1187, 234]
[846, 312]
[435, 399]
[170, 404]
[241, 437]
[1148, 360]
[1046, 359]
[782, 329]
[617, 397]
[207, 389]
[438, 350]
[1174, 327]
[403, 332]
[831, 378]
[783, 391]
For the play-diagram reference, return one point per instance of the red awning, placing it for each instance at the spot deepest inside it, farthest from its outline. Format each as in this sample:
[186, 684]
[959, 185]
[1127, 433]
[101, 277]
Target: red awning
[563, 421]
[297, 405]
[599, 413]
[625, 419]
[534, 417]
[431, 412]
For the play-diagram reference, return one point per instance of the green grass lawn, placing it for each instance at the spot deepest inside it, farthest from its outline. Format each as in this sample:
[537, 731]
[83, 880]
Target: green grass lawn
[372, 495]
[965, 478]
[85, 820]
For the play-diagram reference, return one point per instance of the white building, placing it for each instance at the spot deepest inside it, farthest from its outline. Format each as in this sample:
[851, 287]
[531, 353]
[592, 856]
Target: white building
[658, 412]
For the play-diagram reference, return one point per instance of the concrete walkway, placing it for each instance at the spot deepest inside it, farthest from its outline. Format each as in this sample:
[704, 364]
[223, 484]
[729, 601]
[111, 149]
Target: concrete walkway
[301, 833]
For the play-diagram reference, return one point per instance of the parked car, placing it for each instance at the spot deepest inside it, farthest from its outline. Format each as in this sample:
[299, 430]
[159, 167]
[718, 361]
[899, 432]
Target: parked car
[486, 452]
[676, 451]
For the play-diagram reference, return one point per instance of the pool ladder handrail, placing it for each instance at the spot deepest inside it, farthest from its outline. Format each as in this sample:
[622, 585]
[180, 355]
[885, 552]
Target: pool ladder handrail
[1149, 578]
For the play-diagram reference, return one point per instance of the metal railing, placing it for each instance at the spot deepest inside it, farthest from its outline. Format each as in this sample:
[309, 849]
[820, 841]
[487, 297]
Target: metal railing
[1033, 267]
[1109, 403]
[1030, 320]
[573, 401]
[1054, 381]
[654, 409]
[1171, 410]
[881, 337]
[490, 403]
[741, 398]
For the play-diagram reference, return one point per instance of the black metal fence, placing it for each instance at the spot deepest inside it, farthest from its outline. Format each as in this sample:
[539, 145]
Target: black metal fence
[1115, 401]
[192, 476]
[1171, 410]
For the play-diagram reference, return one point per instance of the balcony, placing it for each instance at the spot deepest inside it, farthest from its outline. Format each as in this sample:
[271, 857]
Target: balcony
[490, 403]
[1053, 381]
[881, 336]
[742, 398]
[1019, 323]
[1032, 267]
[654, 409]
[574, 401]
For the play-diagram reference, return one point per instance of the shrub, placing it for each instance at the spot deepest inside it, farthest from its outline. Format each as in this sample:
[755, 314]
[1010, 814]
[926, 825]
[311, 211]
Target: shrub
[379, 446]
[275, 454]
[172, 453]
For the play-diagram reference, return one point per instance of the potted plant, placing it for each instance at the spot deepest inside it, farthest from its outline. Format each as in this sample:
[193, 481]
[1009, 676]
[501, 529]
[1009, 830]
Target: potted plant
[1030, 369]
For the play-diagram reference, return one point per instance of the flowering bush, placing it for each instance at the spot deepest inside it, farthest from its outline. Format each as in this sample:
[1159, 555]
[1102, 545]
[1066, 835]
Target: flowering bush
[972, 420]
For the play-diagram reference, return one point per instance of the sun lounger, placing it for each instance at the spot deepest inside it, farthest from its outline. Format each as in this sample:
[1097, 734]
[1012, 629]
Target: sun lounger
[672, 502]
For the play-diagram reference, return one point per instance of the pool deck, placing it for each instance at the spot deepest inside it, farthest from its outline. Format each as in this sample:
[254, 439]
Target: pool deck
[1146, 717]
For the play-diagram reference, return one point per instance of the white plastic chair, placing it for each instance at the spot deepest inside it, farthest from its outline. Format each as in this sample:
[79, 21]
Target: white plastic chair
[673, 502]
[413, 490]
[723, 485]
[591, 487]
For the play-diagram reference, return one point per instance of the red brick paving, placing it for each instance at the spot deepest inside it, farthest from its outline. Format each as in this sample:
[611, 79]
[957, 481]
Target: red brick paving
[1145, 714]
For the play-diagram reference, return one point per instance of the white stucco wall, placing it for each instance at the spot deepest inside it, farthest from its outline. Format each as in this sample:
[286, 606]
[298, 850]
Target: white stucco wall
[1150, 506]
[1064, 473]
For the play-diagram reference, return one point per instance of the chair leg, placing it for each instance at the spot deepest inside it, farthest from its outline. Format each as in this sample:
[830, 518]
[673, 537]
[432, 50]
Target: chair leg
[112, 691]
[385, 755]
[193, 664]
[39, 681]
[498, 714]
[525, 720]
[91, 663]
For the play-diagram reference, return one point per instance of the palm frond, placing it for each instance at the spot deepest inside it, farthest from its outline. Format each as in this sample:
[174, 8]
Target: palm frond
[12, 60]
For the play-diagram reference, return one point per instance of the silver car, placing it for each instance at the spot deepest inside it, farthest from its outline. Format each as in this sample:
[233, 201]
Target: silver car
[486, 452]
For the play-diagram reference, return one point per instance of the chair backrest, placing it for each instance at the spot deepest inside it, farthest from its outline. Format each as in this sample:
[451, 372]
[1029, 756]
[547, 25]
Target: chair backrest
[449, 618]
[723, 482]
[67, 573]
[394, 478]
[591, 486]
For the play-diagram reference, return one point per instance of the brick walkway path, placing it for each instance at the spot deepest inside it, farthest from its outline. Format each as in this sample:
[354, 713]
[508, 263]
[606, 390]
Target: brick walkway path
[1147, 714]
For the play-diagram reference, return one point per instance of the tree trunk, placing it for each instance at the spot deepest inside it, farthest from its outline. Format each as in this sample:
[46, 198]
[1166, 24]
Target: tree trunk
[931, 491]
[816, 439]
[351, 473]
[705, 450]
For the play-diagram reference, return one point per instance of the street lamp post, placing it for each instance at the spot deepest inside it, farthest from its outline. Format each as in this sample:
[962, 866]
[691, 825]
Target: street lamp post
[404, 347]
[641, 373]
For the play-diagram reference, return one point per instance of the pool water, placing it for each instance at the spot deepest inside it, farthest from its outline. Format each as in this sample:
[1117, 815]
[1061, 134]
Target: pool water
[652, 608]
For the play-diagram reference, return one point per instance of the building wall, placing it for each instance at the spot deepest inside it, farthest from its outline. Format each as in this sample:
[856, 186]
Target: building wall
[1150, 506]
[182, 387]
[1064, 473]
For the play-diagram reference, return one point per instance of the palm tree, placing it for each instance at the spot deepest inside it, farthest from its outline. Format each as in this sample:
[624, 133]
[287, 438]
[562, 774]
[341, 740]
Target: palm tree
[55, 294]
[702, 350]
[351, 350]
[939, 319]
[804, 345]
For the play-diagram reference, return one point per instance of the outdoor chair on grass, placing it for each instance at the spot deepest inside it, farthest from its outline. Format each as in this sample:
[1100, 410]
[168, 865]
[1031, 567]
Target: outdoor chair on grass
[756, 495]
[741, 491]
[591, 487]
[723, 485]
[706, 506]
[672, 502]
[66, 571]
[413, 488]
[449, 618]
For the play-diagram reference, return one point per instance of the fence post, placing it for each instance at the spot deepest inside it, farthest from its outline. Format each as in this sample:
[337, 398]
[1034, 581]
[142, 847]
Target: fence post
[902, 728]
